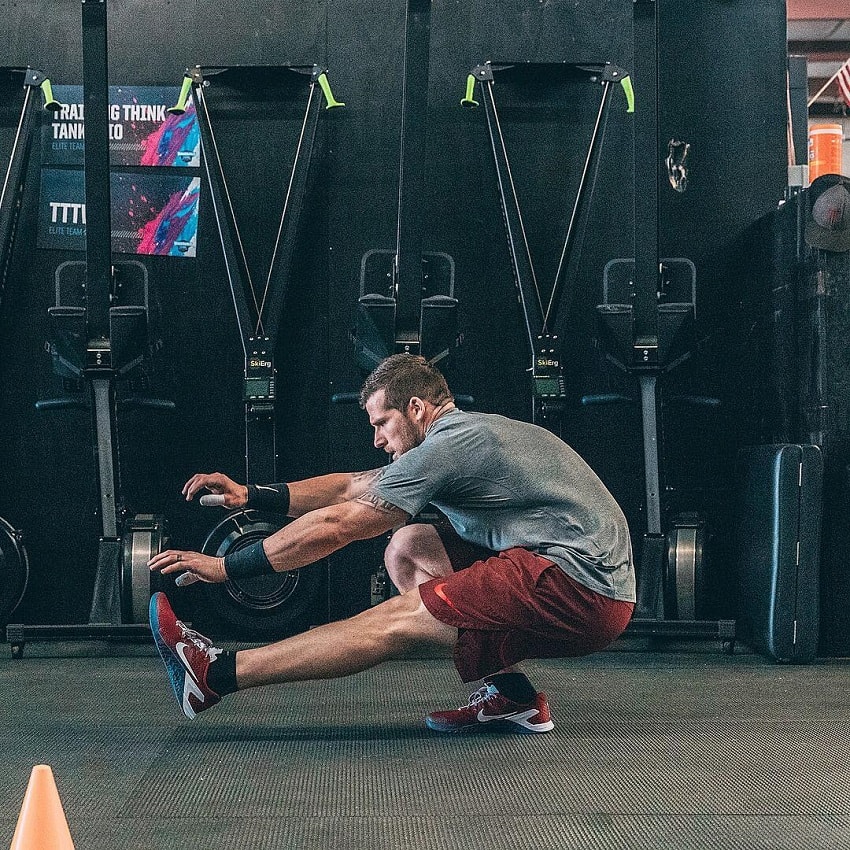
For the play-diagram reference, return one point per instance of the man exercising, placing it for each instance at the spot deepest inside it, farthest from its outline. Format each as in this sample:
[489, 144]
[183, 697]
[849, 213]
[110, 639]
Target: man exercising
[534, 559]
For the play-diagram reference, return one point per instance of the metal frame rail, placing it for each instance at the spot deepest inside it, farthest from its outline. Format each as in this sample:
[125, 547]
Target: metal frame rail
[258, 309]
[548, 392]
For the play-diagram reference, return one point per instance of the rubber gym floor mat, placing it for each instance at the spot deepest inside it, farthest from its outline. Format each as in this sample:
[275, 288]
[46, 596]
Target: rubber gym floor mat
[649, 750]
[544, 831]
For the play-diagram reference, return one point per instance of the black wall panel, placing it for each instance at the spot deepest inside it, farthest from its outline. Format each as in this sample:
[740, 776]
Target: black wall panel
[555, 31]
[721, 80]
[46, 465]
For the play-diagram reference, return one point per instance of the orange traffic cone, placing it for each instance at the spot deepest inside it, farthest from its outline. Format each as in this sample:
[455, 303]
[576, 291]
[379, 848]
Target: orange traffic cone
[41, 823]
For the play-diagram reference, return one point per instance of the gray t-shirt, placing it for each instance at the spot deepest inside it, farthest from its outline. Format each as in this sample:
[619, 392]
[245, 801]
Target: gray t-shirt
[504, 483]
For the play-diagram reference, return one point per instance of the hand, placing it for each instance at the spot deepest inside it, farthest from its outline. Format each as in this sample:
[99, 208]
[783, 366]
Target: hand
[202, 567]
[235, 495]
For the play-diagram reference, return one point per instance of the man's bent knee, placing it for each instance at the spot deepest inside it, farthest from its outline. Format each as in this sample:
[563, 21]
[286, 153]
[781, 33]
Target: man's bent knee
[410, 544]
[415, 554]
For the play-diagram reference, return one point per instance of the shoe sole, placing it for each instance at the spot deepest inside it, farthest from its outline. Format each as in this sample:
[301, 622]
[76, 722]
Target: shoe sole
[501, 725]
[173, 666]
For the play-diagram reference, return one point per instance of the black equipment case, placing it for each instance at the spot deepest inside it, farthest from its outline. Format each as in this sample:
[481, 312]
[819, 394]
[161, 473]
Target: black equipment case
[778, 536]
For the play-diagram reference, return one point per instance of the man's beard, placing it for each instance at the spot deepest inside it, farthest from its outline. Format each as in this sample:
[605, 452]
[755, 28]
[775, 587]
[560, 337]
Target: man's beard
[409, 438]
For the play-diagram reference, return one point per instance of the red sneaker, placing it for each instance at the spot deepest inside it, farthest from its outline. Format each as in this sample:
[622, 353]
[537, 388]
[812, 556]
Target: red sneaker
[186, 654]
[487, 706]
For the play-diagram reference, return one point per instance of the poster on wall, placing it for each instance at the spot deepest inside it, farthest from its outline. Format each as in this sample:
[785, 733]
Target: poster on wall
[152, 213]
[141, 132]
[155, 214]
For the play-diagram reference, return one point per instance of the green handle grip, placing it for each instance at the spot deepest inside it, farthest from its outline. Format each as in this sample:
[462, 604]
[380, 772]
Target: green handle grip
[330, 100]
[180, 107]
[626, 83]
[50, 102]
[468, 99]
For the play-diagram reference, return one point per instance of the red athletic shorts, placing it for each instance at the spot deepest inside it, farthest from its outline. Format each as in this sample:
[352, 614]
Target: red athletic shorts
[513, 605]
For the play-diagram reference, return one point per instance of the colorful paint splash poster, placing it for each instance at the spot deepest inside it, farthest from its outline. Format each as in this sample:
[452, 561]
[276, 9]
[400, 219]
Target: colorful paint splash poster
[152, 213]
[155, 214]
[141, 131]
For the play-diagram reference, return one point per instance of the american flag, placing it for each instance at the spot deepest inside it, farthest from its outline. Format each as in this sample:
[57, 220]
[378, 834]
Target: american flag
[843, 80]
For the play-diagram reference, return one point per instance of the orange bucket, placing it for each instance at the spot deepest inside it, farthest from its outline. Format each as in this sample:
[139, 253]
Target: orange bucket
[825, 147]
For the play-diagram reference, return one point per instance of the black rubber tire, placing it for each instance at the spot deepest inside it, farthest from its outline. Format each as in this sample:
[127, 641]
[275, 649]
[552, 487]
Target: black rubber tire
[262, 607]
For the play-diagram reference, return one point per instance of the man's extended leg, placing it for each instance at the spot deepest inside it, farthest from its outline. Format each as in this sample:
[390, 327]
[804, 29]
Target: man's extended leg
[387, 631]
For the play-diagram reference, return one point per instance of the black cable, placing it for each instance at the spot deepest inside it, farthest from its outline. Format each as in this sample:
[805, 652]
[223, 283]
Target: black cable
[515, 197]
[203, 103]
[285, 208]
[579, 196]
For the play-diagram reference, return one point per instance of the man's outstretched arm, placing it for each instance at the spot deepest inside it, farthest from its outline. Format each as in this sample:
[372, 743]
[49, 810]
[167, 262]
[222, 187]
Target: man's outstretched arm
[325, 490]
[321, 532]
[303, 496]
[307, 539]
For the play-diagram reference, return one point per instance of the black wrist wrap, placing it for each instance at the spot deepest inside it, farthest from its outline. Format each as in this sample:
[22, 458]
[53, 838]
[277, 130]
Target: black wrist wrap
[269, 497]
[248, 562]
